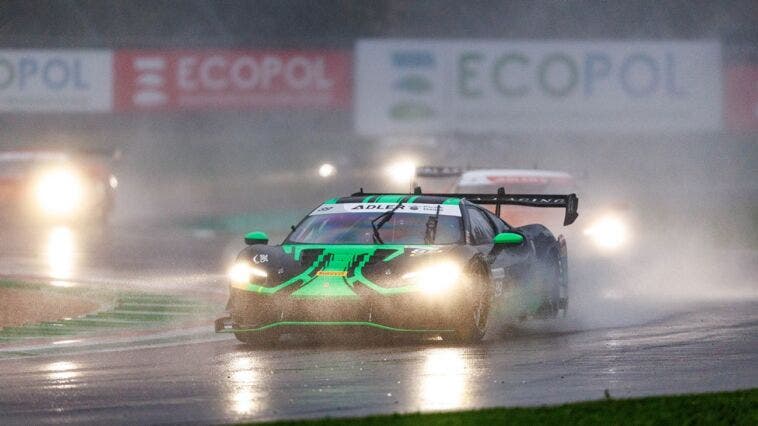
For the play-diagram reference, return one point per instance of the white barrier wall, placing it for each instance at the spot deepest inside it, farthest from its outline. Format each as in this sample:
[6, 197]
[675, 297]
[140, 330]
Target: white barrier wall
[428, 87]
[56, 80]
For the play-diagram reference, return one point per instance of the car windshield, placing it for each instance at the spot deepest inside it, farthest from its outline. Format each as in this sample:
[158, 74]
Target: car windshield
[355, 228]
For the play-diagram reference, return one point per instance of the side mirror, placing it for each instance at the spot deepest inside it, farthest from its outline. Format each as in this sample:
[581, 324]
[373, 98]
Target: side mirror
[508, 239]
[256, 237]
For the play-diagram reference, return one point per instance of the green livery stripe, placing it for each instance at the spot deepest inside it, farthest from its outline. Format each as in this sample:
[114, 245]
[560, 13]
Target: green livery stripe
[333, 324]
[331, 201]
[452, 201]
[412, 199]
[390, 198]
[367, 199]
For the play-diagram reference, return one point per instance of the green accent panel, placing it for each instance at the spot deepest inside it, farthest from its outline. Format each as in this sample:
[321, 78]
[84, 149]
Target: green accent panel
[390, 198]
[412, 199]
[331, 201]
[333, 324]
[452, 201]
[256, 237]
[325, 288]
[508, 238]
[367, 199]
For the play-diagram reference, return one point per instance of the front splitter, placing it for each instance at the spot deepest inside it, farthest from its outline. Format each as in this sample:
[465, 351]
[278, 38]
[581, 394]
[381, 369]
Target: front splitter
[224, 325]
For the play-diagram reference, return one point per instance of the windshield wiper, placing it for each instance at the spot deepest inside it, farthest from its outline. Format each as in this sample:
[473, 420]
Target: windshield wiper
[380, 220]
[431, 227]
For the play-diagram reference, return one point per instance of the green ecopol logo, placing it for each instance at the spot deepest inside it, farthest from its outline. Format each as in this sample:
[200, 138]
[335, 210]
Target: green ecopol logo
[414, 83]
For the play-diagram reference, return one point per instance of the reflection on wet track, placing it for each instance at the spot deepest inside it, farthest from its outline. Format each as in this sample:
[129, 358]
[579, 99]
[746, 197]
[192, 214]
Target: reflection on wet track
[443, 379]
[227, 381]
[60, 251]
[193, 375]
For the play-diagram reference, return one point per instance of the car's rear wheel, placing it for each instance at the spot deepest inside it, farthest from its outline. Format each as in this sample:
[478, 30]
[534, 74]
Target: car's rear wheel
[563, 295]
[472, 323]
[552, 275]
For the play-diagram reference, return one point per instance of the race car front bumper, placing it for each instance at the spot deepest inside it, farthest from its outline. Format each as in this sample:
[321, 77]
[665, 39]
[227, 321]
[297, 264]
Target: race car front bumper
[252, 312]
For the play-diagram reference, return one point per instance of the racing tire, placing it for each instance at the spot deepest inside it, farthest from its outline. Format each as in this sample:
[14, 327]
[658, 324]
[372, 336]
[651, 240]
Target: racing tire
[472, 324]
[554, 275]
[563, 283]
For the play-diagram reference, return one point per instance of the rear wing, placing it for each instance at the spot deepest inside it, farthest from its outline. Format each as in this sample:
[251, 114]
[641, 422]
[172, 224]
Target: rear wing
[570, 202]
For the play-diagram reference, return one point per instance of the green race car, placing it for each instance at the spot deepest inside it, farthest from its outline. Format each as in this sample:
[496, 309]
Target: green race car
[430, 264]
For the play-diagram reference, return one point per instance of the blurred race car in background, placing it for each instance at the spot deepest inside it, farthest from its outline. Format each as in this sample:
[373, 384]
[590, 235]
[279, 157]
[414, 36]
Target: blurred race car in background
[56, 187]
[605, 227]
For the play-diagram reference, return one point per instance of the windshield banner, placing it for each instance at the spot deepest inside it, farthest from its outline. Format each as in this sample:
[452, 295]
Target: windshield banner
[428, 209]
[418, 87]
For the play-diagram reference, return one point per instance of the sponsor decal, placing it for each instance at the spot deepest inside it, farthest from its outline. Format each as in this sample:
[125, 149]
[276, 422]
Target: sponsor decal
[428, 209]
[423, 251]
[55, 80]
[209, 79]
[498, 279]
[741, 97]
[260, 258]
[418, 86]
[331, 273]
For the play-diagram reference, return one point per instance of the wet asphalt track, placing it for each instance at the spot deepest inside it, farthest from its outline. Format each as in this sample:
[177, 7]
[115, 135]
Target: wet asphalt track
[139, 379]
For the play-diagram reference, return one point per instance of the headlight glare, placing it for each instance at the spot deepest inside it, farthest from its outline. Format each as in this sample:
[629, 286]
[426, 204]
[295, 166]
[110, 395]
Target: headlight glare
[59, 192]
[243, 273]
[435, 278]
[608, 233]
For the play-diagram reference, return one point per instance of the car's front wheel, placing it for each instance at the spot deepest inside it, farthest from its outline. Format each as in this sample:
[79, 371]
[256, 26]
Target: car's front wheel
[472, 322]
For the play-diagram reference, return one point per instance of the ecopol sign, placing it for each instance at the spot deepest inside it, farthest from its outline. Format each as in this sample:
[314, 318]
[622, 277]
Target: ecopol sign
[414, 87]
[55, 80]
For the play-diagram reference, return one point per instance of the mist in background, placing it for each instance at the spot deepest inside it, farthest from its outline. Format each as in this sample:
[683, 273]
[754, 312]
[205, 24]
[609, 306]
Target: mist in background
[693, 194]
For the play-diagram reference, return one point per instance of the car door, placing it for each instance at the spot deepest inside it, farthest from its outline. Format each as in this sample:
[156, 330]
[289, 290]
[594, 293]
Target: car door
[508, 267]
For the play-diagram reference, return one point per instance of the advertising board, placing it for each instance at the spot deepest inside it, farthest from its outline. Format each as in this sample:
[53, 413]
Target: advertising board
[55, 80]
[211, 79]
[431, 87]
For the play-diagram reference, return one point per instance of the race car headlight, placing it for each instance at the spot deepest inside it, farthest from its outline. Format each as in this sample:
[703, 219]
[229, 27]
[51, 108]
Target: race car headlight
[243, 273]
[59, 192]
[608, 232]
[436, 278]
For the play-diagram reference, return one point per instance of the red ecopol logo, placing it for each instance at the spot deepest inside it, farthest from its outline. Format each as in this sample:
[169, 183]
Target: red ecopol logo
[209, 79]
[741, 97]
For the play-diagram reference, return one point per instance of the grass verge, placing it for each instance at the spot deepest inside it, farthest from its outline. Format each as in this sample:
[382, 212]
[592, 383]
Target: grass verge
[725, 408]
